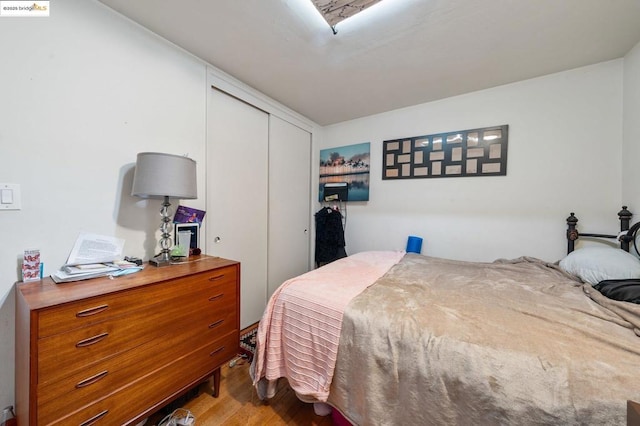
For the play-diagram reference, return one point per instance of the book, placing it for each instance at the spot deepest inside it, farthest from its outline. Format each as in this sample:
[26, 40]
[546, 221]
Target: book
[188, 215]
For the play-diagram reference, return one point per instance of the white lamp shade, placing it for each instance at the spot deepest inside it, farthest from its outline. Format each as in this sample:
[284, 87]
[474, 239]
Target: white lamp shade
[160, 175]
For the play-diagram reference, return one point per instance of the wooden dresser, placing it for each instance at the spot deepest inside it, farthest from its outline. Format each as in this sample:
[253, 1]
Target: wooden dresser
[112, 351]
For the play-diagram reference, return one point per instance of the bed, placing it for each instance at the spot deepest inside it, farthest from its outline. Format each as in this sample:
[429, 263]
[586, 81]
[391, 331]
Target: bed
[390, 338]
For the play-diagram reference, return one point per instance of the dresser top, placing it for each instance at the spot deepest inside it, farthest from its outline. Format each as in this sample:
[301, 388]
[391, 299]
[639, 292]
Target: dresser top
[45, 293]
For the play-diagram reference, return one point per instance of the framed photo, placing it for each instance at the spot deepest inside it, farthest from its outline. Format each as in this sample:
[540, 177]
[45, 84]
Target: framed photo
[193, 228]
[344, 173]
[463, 153]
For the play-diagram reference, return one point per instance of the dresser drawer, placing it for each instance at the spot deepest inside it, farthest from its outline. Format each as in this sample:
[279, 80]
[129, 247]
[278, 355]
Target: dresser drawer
[208, 307]
[84, 387]
[152, 390]
[94, 310]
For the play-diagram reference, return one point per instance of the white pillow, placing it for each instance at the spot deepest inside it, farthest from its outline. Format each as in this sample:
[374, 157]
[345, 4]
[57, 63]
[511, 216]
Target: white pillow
[595, 264]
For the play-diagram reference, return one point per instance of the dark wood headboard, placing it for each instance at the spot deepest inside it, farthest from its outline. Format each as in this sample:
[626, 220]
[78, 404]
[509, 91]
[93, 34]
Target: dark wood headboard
[572, 233]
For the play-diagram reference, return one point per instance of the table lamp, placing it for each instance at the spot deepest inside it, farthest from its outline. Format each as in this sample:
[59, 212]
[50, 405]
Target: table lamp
[164, 176]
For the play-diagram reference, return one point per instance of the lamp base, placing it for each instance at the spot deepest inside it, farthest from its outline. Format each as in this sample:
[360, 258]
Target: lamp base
[160, 260]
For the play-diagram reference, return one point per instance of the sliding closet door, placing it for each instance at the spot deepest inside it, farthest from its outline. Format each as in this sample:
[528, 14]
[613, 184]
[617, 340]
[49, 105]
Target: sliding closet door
[289, 201]
[237, 188]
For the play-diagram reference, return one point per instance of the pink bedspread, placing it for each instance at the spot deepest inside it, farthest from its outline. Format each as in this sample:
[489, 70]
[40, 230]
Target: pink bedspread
[299, 332]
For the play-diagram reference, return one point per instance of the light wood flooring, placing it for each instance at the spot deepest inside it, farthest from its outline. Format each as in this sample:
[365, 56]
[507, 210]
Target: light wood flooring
[238, 404]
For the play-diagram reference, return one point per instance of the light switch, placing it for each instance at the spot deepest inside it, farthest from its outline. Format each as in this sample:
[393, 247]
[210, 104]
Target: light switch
[9, 196]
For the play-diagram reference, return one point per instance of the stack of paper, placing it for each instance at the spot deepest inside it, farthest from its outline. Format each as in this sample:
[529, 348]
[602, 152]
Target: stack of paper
[70, 273]
[93, 256]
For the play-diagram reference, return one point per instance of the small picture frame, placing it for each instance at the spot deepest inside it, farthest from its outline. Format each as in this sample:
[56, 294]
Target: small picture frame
[193, 228]
[31, 266]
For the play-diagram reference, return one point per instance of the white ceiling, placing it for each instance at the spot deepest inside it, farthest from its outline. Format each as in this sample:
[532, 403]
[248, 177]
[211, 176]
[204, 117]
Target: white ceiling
[396, 53]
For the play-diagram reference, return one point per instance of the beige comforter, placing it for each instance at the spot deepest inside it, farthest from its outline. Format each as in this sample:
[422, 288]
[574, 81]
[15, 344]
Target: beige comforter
[442, 342]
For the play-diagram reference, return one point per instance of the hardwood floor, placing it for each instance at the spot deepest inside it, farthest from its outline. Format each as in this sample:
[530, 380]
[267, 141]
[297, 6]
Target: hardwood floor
[238, 404]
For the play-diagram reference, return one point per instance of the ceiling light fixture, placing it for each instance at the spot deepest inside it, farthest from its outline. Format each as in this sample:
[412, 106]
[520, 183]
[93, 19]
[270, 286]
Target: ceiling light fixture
[334, 11]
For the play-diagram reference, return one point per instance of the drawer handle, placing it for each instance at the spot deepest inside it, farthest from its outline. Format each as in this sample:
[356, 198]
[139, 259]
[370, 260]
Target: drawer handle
[220, 349]
[216, 297]
[92, 311]
[91, 380]
[215, 324]
[91, 340]
[94, 419]
[216, 278]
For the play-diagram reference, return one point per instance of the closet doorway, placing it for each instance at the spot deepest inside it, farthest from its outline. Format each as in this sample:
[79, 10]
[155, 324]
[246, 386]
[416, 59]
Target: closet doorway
[237, 194]
[258, 197]
[289, 201]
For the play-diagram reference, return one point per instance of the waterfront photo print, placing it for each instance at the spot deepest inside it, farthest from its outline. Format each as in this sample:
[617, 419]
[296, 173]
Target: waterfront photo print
[346, 164]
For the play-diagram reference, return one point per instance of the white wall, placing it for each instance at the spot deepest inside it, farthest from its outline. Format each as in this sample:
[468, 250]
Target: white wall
[565, 142]
[82, 92]
[631, 145]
